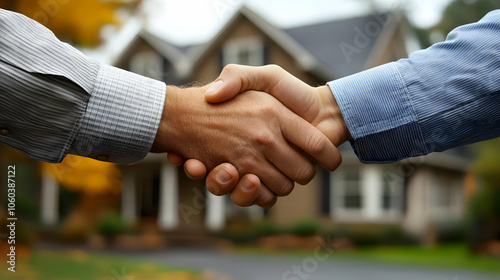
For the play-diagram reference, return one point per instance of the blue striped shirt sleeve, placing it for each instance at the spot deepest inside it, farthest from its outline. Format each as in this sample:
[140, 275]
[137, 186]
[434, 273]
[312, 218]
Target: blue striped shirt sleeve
[439, 98]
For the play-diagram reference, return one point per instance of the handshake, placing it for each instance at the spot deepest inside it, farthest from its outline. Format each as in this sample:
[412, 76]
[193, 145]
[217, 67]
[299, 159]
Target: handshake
[256, 129]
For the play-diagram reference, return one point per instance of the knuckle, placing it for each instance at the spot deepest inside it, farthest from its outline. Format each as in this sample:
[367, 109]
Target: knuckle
[268, 109]
[266, 200]
[230, 68]
[215, 188]
[263, 137]
[306, 174]
[248, 163]
[274, 67]
[316, 143]
[285, 188]
[337, 162]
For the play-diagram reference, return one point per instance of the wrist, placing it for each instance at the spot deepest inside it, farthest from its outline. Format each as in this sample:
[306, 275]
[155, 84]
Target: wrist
[184, 115]
[330, 111]
[166, 134]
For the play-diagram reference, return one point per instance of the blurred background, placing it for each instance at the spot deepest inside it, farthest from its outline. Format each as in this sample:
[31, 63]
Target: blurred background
[432, 217]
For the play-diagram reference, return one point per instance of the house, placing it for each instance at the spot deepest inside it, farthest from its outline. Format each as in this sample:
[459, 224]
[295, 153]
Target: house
[415, 193]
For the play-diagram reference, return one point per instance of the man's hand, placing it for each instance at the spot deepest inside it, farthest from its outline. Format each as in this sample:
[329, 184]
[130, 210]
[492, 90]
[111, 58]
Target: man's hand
[252, 132]
[316, 105]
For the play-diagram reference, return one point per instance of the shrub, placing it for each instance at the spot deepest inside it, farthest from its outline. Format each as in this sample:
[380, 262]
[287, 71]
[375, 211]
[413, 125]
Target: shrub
[305, 228]
[266, 228]
[110, 225]
[450, 232]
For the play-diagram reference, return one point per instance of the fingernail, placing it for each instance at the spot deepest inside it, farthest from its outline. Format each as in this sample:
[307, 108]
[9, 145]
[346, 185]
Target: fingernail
[223, 177]
[215, 87]
[246, 185]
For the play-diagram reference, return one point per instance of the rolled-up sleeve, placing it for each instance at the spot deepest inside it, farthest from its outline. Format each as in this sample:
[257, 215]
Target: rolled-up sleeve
[54, 100]
[439, 98]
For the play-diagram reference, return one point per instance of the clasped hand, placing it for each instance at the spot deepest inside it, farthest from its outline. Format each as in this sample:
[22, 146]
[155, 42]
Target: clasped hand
[255, 144]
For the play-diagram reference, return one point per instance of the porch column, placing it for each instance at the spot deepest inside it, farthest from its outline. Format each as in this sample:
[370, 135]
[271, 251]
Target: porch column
[372, 191]
[50, 200]
[168, 216]
[129, 197]
[215, 218]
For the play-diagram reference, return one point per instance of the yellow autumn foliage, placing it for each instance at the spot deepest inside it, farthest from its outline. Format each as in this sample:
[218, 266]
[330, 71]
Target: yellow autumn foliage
[75, 21]
[86, 175]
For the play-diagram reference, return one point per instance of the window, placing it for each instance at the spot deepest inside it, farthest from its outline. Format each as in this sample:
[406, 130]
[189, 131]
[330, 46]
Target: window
[446, 195]
[352, 198]
[149, 64]
[346, 194]
[386, 197]
[248, 51]
[392, 191]
[366, 193]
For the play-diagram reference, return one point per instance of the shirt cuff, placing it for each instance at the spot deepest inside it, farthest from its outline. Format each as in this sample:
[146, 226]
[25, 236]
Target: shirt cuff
[379, 114]
[122, 117]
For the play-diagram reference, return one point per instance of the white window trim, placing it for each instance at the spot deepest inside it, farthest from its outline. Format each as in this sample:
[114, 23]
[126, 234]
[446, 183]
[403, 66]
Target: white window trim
[233, 47]
[371, 180]
[440, 213]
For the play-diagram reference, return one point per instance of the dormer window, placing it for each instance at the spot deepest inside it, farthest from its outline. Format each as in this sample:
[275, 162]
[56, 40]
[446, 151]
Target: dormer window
[245, 51]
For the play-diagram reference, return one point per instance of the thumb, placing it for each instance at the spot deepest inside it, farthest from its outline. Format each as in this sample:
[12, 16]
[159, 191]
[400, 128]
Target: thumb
[221, 91]
[240, 78]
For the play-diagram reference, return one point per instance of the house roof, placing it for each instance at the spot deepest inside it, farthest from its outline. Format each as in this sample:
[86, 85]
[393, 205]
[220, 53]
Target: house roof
[329, 42]
[317, 48]
[457, 159]
[305, 60]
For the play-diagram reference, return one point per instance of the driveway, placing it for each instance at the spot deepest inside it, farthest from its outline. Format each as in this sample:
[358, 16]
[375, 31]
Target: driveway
[230, 266]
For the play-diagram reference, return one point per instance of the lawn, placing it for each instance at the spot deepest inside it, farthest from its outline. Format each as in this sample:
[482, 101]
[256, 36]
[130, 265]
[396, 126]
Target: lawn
[454, 257]
[442, 256]
[76, 265]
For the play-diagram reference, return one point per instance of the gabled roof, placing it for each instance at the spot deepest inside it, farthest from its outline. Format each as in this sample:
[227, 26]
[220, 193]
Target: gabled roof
[329, 42]
[305, 60]
[316, 47]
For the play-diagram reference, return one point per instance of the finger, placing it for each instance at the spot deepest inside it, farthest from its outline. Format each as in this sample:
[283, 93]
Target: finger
[266, 198]
[222, 179]
[269, 175]
[246, 191]
[239, 78]
[175, 159]
[195, 169]
[291, 162]
[311, 141]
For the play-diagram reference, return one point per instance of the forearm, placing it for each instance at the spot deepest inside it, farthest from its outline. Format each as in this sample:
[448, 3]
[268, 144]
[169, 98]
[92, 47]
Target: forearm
[439, 98]
[54, 100]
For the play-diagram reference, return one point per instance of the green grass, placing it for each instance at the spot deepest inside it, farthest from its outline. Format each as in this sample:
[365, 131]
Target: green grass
[443, 256]
[76, 265]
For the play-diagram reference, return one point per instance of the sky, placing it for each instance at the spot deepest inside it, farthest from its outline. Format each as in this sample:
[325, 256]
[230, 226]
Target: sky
[186, 22]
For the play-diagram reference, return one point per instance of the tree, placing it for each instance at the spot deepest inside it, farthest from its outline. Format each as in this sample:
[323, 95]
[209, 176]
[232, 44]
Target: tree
[460, 12]
[86, 175]
[484, 209]
[74, 21]
[457, 13]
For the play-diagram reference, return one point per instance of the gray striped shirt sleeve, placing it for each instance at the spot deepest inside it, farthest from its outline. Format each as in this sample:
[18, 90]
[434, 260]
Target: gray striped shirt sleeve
[54, 100]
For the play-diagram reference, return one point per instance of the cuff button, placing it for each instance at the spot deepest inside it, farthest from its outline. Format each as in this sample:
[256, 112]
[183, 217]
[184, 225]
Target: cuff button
[4, 131]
